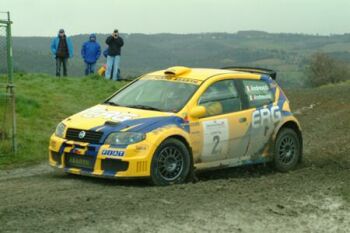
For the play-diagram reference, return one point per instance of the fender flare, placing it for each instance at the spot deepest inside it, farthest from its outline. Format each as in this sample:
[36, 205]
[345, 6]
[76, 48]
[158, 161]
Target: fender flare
[289, 122]
[172, 132]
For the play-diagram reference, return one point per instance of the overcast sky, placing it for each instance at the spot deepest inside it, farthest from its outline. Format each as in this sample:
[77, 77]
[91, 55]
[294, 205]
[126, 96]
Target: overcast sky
[45, 17]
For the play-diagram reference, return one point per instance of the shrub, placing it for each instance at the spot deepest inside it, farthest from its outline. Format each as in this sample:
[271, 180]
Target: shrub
[323, 69]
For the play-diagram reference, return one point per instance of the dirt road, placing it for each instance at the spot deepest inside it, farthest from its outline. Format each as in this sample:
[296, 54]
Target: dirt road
[313, 198]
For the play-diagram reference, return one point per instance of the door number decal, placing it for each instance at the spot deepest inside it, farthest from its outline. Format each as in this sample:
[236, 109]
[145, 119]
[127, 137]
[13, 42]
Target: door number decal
[216, 137]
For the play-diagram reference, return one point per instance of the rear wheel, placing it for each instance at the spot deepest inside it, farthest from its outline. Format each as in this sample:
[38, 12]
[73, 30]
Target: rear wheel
[287, 150]
[171, 163]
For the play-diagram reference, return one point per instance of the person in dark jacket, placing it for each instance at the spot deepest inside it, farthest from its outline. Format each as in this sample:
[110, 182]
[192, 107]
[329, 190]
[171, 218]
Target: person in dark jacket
[91, 52]
[62, 50]
[114, 42]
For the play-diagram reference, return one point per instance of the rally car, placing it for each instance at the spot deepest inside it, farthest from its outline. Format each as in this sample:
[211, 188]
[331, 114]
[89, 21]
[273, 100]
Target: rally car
[168, 123]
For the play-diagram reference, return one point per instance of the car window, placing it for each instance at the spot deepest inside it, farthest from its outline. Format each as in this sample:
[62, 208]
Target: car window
[164, 95]
[258, 93]
[220, 98]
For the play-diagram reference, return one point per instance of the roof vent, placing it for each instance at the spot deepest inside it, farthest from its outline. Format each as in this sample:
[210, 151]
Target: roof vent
[177, 70]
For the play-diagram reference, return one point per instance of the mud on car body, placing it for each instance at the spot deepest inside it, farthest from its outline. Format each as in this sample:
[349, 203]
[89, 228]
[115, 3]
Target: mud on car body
[167, 123]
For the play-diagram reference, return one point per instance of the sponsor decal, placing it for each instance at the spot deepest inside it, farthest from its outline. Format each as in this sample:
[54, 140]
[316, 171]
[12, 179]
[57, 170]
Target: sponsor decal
[142, 147]
[118, 153]
[81, 162]
[174, 78]
[101, 112]
[266, 116]
[161, 129]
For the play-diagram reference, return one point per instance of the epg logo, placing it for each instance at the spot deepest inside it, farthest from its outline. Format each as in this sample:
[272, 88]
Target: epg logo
[266, 116]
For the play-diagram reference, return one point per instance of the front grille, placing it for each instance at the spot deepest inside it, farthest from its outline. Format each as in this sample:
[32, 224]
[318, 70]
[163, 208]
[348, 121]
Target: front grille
[114, 165]
[79, 161]
[56, 157]
[90, 136]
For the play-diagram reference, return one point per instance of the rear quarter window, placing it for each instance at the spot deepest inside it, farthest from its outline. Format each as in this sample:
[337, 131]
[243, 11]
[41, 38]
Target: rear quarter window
[258, 93]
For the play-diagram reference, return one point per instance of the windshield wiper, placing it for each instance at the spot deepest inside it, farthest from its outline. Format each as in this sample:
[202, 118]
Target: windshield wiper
[112, 103]
[140, 106]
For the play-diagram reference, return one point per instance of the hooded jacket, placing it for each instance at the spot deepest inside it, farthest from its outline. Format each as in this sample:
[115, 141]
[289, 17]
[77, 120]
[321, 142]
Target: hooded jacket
[91, 50]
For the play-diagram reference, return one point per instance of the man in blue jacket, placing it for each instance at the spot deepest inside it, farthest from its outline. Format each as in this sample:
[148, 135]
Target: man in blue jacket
[62, 50]
[91, 52]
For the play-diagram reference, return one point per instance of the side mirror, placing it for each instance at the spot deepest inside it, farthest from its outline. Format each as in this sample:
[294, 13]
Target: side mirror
[198, 112]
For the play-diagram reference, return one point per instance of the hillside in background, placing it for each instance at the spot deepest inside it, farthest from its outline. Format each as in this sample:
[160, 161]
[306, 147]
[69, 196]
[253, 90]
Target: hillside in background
[287, 53]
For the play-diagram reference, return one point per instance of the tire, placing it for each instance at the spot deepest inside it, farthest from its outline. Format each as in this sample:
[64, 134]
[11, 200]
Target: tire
[287, 151]
[171, 163]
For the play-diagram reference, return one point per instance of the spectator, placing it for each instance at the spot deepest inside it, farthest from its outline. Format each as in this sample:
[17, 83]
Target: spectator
[114, 42]
[62, 50]
[105, 53]
[90, 52]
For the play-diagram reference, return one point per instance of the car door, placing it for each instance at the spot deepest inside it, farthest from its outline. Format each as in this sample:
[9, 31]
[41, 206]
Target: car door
[264, 116]
[222, 133]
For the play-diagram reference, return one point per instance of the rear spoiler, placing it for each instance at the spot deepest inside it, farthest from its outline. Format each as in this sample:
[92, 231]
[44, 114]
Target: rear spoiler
[254, 70]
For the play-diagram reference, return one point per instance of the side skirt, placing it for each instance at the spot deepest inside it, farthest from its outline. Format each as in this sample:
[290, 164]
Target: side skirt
[230, 163]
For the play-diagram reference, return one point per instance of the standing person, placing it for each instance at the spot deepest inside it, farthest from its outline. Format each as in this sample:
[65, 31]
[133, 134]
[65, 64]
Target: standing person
[62, 50]
[114, 42]
[91, 52]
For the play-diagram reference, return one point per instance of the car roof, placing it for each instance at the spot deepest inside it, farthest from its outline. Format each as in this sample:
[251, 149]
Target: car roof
[201, 73]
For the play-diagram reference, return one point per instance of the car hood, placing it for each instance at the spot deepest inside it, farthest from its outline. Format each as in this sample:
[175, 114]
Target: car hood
[107, 118]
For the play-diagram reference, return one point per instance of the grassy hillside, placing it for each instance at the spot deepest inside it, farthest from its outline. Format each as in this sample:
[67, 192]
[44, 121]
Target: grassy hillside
[287, 53]
[43, 101]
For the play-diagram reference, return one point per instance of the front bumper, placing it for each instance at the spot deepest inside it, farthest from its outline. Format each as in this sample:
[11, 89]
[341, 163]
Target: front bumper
[100, 160]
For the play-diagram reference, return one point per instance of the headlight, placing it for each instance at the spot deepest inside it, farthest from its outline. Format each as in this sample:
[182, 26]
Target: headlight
[124, 138]
[60, 130]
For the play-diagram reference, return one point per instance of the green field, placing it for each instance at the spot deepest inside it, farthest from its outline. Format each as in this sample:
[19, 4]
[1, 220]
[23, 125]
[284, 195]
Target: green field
[42, 102]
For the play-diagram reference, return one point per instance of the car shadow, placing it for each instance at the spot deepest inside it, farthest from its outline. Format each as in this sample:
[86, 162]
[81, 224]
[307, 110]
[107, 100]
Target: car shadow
[140, 182]
[242, 172]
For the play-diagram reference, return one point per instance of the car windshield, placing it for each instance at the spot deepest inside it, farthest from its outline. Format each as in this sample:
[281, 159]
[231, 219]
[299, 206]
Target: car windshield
[158, 95]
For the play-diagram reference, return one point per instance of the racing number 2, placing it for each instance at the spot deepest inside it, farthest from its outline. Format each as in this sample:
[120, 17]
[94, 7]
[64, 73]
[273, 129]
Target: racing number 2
[216, 141]
[216, 137]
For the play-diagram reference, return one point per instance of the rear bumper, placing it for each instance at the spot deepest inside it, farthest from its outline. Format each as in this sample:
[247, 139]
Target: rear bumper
[100, 160]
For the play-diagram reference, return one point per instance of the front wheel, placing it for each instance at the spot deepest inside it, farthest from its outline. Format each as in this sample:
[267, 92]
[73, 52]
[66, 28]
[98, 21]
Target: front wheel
[171, 163]
[287, 150]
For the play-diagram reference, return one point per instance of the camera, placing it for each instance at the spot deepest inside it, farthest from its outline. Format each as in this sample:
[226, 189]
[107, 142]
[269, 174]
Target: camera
[115, 33]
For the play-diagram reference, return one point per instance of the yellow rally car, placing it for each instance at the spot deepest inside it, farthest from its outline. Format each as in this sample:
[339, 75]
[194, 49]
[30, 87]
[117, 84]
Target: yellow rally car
[167, 123]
